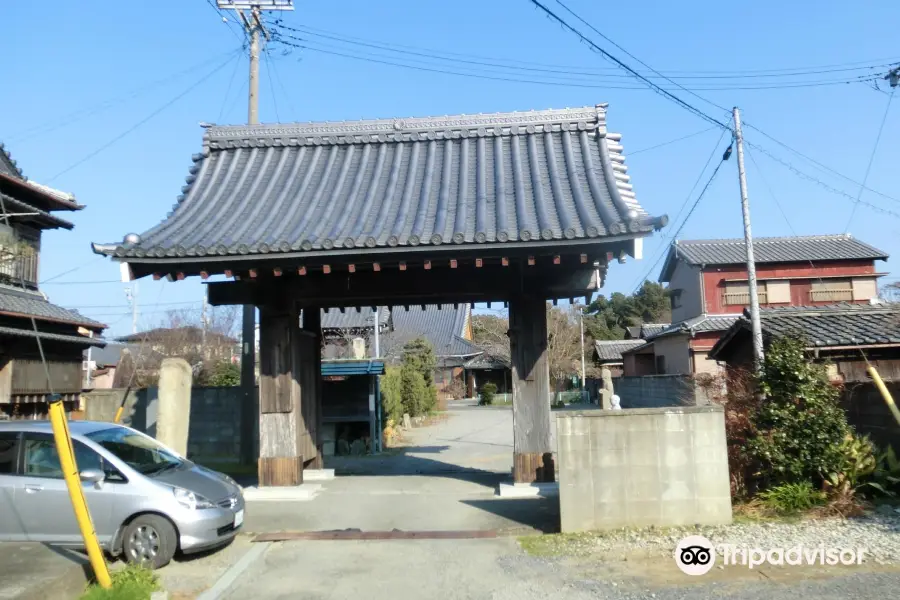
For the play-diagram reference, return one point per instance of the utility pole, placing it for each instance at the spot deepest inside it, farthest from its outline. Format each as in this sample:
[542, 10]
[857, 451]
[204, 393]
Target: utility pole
[377, 348]
[755, 325]
[131, 296]
[581, 323]
[253, 26]
[205, 326]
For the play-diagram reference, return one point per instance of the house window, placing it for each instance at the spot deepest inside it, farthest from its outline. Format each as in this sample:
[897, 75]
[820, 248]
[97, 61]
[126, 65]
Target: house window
[439, 376]
[831, 290]
[738, 293]
[660, 365]
[675, 298]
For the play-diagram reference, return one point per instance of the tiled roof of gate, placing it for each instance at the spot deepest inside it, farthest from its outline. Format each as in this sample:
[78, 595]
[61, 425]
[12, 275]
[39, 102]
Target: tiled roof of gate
[822, 326]
[531, 177]
[769, 250]
[7, 165]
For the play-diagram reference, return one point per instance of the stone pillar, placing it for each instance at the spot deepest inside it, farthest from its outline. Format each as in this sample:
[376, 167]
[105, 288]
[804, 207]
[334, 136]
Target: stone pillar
[288, 392]
[532, 452]
[174, 404]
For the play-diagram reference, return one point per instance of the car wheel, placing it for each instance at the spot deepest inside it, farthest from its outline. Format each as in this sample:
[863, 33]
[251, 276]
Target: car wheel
[150, 540]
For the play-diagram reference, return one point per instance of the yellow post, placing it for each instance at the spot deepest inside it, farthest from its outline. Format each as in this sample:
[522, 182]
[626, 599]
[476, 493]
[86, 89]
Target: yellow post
[73, 482]
[885, 393]
[119, 414]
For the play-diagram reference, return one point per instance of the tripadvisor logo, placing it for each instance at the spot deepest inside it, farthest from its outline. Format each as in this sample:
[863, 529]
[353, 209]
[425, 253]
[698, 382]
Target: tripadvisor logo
[696, 555]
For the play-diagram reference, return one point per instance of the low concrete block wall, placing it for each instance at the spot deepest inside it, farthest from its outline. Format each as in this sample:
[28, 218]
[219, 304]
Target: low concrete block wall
[641, 467]
[650, 391]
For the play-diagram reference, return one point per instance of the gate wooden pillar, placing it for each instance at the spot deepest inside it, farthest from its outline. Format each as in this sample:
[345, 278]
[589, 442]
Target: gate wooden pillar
[532, 452]
[311, 390]
[288, 395]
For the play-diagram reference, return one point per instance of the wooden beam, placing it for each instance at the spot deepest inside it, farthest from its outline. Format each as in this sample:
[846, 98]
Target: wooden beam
[326, 269]
[557, 260]
[504, 261]
[427, 265]
[301, 270]
[584, 259]
[376, 267]
[452, 263]
[252, 273]
[530, 261]
[402, 265]
[228, 273]
[351, 267]
[179, 276]
[479, 263]
[204, 275]
[277, 271]
[157, 276]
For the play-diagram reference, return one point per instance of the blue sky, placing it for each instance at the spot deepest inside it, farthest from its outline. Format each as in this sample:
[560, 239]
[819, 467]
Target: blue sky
[79, 77]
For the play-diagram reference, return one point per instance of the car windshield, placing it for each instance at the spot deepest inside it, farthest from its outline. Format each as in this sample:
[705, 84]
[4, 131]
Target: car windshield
[142, 453]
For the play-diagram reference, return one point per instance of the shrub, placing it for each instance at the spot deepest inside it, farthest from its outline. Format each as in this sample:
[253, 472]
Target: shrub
[790, 498]
[456, 388]
[886, 478]
[488, 391]
[131, 583]
[222, 374]
[413, 391]
[391, 395]
[798, 430]
[856, 466]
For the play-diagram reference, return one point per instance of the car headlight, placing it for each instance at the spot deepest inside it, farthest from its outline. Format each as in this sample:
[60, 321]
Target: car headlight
[189, 499]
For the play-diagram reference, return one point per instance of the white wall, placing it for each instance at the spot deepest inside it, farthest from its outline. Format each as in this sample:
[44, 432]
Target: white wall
[676, 349]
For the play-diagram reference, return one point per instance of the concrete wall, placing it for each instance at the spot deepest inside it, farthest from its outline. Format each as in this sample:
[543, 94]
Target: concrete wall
[214, 434]
[651, 391]
[637, 468]
[687, 279]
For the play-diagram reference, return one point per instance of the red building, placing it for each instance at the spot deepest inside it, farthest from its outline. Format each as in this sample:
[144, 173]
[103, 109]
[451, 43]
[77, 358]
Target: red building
[708, 287]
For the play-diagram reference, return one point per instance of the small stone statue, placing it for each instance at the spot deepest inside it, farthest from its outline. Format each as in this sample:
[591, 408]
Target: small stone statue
[615, 402]
[606, 388]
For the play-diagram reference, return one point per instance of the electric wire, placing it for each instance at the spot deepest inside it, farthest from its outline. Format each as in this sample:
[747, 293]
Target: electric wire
[226, 20]
[237, 63]
[268, 60]
[169, 103]
[862, 185]
[684, 137]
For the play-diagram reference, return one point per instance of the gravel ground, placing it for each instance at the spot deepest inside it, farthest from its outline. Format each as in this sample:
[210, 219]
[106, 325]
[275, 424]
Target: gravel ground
[878, 533]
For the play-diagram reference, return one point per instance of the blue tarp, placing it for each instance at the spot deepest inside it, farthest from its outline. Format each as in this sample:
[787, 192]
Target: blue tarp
[353, 367]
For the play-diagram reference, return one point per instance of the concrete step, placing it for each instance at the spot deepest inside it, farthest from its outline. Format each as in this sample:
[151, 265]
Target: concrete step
[310, 475]
[527, 490]
[297, 493]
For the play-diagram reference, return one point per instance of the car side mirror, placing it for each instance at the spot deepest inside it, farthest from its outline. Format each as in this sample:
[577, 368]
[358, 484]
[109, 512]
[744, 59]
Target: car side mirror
[94, 476]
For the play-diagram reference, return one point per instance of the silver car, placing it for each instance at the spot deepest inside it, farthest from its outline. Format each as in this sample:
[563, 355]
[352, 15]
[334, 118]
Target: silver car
[145, 500]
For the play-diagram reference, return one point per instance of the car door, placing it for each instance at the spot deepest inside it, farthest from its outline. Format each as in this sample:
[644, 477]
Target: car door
[45, 506]
[11, 526]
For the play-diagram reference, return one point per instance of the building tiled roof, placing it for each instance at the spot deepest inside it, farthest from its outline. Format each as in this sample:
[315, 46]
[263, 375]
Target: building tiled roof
[769, 250]
[346, 187]
[8, 166]
[350, 319]
[17, 302]
[188, 333]
[443, 326]
[112, 353]
[824, 326]
[611, 350]
[645, 330]
[487, 361]
[56, 337]
[700, 323]
[14, 205]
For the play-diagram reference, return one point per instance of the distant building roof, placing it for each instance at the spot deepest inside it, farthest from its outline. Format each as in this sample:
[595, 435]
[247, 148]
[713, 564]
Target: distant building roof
[28, 332]
[192, 335]
[347, 188]
[444, 326]
[698, 324]
[769, 250]
[824, 326]
[21, 303]
[645, 330]
[487, 362]
[611, 350]
[351, 319]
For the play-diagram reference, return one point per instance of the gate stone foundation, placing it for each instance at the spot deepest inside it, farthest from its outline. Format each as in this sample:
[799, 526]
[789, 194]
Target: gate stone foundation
[640, 467]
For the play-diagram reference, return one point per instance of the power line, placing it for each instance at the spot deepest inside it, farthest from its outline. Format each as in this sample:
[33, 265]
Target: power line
[689, 107]
[72, 270]
[684, 137]
[139, 123]
[237, 63]
[556, 68]
[226, 20]
[274, 71]
[81, 282]
[862, 186]
[268, 61]
[118, 306]
[499, 76]
[83, 113]
[666, 239]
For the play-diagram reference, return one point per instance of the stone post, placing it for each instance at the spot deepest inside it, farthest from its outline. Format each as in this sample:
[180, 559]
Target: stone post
[174, 404]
